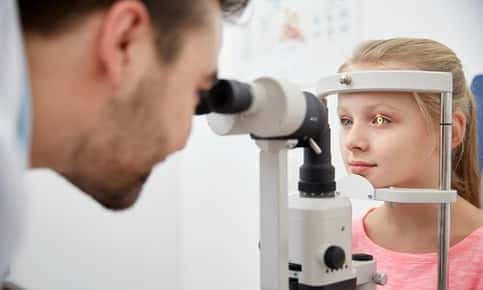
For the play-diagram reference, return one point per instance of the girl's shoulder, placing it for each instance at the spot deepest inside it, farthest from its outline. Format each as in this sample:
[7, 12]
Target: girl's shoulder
[473, 243]
[468, 224]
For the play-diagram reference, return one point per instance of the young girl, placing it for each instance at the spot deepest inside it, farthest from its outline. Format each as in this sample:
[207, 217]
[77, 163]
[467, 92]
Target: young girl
[392, 139]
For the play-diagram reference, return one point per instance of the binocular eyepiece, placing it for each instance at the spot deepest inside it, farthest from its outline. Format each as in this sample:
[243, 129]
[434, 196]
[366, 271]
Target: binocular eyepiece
[225, 97]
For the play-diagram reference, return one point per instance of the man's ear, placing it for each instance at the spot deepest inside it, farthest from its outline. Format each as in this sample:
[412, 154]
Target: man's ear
[123, 24]
[458, 129]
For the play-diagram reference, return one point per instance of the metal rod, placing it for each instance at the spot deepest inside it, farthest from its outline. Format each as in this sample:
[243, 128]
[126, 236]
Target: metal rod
[445, 184]
[273, 214]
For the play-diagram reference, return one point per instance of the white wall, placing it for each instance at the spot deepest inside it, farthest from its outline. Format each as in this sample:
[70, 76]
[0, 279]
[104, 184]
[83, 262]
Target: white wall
[196, 225]
[458, 24]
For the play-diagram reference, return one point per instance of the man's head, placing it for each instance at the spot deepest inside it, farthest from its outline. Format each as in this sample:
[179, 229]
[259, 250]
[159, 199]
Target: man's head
[115, 84]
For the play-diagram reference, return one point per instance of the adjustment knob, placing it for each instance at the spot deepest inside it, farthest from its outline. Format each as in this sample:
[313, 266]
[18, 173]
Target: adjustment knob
[380, 278]
[334, 257]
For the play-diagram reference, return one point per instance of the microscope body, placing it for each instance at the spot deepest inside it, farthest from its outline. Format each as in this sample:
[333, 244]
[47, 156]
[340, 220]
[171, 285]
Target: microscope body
[320, 246]
[320, 252]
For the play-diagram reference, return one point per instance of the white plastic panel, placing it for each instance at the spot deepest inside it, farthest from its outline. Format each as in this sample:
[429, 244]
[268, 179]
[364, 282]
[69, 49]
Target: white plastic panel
[377, 81]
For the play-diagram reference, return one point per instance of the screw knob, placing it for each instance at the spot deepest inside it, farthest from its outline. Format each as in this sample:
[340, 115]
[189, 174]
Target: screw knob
[334, 257]
[345, 80]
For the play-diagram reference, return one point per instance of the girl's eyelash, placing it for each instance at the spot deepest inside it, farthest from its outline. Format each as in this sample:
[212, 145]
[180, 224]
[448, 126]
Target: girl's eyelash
[345, 121]
[380, 119]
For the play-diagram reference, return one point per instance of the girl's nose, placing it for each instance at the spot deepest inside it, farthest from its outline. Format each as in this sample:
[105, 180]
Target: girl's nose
[356, 139]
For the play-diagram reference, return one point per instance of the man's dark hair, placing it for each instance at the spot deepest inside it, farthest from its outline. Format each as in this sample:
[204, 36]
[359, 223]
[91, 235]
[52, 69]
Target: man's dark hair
[169, 17]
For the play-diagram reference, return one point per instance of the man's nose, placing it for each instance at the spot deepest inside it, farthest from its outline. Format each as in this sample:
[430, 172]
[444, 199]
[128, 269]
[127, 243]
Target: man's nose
[356, 138]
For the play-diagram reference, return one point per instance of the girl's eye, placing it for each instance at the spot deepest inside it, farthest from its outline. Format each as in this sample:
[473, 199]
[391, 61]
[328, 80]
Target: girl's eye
[380, 120]
[345, 121]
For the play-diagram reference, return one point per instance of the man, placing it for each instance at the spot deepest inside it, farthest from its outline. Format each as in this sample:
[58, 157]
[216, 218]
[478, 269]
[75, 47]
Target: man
[114, 84]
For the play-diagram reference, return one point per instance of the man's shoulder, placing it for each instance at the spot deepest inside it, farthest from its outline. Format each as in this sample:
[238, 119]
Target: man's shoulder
[12, 205]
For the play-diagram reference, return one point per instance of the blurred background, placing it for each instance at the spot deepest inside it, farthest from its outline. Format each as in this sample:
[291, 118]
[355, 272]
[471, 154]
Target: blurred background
[196, 225]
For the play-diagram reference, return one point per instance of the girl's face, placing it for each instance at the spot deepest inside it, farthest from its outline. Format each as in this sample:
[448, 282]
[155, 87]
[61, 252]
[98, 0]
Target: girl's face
[385, 138]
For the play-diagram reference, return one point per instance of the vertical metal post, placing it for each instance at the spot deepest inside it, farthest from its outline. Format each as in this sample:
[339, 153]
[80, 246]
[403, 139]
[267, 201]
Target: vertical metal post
[273, 214]
[445, 184]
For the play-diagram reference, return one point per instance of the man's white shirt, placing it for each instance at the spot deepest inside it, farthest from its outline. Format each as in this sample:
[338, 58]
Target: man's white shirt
[14, 133]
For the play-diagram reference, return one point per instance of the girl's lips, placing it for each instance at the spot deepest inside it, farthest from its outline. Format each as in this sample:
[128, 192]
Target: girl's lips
[361, 167]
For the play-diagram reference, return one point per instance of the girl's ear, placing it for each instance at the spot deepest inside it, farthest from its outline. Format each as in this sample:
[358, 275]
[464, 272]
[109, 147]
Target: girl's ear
[458, 129]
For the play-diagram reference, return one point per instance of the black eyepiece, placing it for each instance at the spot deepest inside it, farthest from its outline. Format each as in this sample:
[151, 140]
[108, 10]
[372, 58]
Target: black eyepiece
[226, 97]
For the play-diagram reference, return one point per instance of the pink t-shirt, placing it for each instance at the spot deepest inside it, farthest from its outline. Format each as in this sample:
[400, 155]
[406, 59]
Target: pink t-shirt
[419, 271]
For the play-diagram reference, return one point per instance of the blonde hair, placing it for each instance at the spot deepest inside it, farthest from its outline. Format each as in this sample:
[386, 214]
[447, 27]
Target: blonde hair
[430, 55]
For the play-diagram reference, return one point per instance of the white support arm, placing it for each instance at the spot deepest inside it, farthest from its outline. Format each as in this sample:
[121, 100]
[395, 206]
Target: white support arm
[356, 186]
[274, 214]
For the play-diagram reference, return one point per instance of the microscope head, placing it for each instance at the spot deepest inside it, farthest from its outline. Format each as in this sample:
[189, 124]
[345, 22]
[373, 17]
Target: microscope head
[273, 109]
[264, 108]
